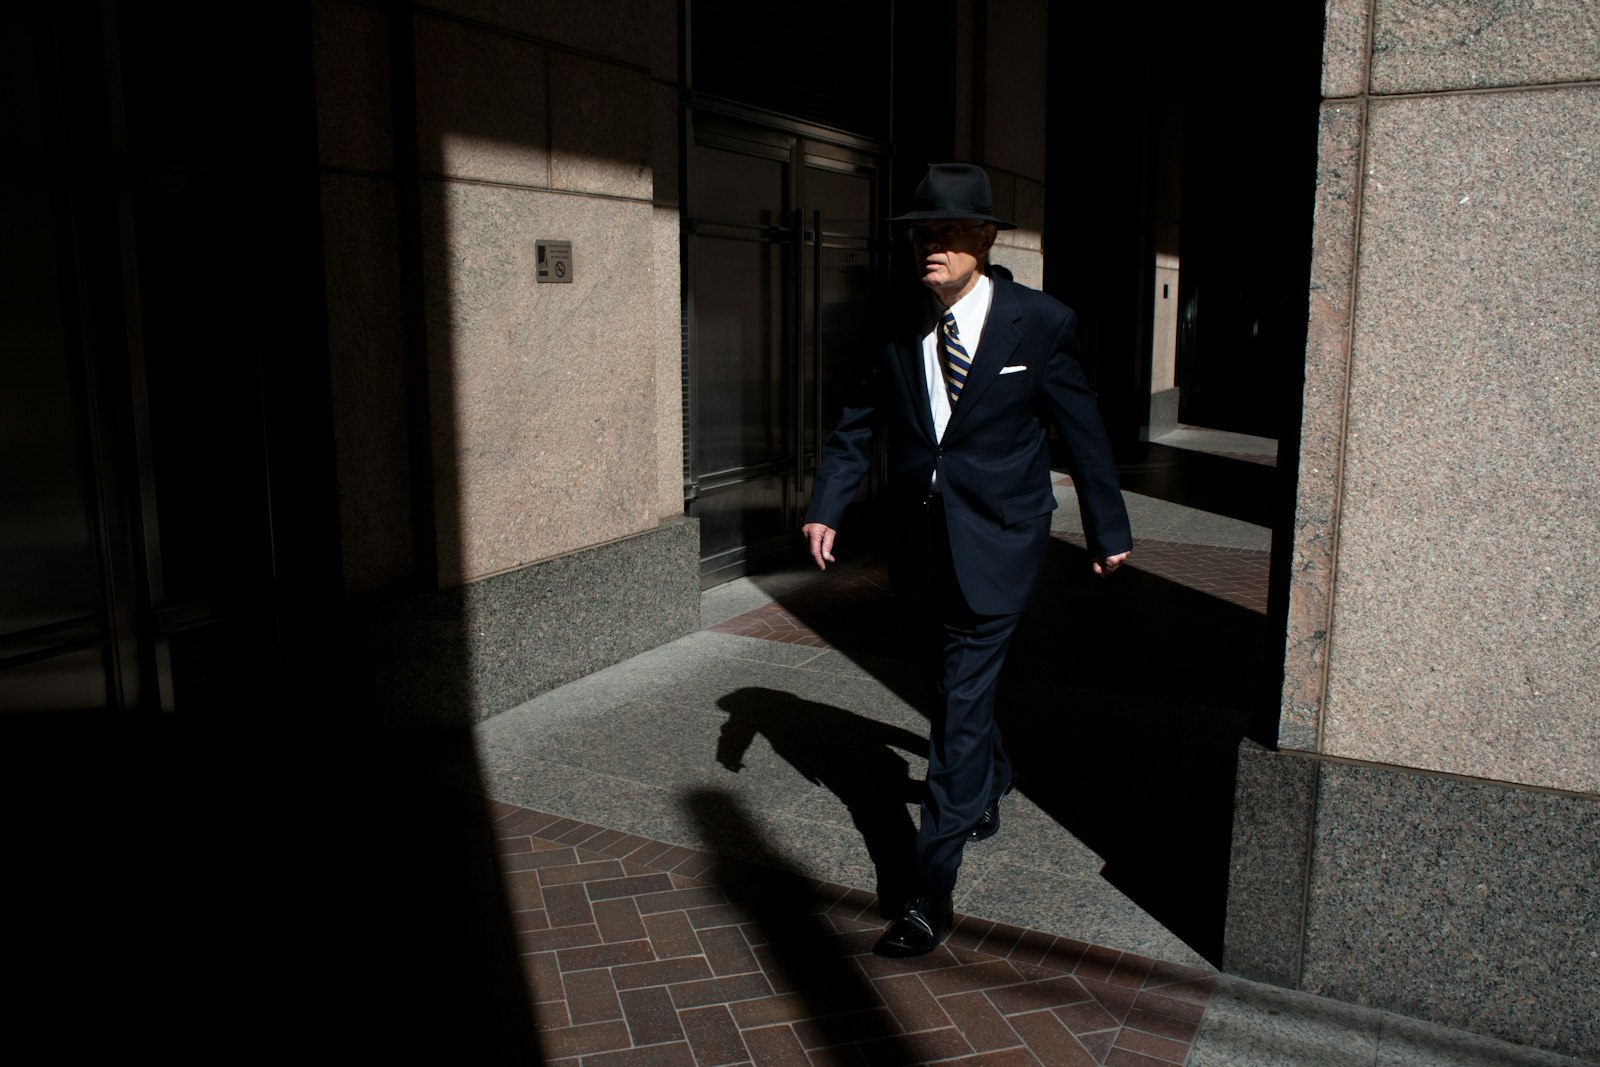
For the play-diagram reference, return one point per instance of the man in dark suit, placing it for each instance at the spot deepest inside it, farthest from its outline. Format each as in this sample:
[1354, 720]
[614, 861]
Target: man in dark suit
[965, 389]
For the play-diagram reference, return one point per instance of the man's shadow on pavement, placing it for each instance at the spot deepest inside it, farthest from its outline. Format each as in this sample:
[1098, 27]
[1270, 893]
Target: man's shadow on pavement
[804, 953]
[851, 756]
[1123, 702]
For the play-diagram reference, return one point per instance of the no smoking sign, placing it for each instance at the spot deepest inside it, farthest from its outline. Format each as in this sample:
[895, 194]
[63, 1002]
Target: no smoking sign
[554, 261]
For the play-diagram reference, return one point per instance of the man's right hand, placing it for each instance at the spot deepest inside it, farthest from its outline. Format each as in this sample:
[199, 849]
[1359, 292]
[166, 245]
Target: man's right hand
[819, 540]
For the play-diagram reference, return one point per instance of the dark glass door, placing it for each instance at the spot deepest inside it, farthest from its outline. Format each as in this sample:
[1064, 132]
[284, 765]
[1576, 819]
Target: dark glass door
[781, 261]
[56, 623]
[141, 544]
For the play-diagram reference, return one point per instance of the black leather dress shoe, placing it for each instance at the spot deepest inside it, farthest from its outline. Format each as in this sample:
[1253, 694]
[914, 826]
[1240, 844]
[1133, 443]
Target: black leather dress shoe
[922, 925]
[989, 821]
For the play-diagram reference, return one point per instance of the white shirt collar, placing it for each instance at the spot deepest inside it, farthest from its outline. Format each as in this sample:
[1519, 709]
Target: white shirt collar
[971, 312]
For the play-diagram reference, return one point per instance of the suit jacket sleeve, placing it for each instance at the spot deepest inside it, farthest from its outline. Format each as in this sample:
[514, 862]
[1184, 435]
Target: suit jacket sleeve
[1076, 415]
[847, 454]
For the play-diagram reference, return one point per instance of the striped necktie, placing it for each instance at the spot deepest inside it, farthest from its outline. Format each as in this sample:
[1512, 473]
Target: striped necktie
[956, 361]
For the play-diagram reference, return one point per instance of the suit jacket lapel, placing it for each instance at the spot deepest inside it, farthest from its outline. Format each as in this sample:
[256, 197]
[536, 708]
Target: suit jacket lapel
[908, 349]
[1002, 332]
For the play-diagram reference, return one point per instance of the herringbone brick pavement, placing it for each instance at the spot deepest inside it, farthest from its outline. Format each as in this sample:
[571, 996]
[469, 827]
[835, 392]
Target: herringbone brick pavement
[638, 952]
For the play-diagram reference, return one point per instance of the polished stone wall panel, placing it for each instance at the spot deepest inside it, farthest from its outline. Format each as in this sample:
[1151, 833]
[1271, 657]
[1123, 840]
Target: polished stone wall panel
[1344, 48]
[1028, 214]
[1003, 187]
[960, 80]
[1468, 572]
[1016, 38]
[600, 127]
[1021, 201]
[1026, 264]
[350, 53]
[481, 107]
[1273, 812]
[367, 366]
[1464, 903]
[1425, 46]
[1322, 419]
[542, 395]
[663, 34]
[464, 654]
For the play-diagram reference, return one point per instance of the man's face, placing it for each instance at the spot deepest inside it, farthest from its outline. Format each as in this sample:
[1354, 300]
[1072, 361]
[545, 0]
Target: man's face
[948, 252]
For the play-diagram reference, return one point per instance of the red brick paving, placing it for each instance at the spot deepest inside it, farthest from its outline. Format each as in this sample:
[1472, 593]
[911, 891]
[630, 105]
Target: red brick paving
[660, 966]
[854, 601]
[1237, 575]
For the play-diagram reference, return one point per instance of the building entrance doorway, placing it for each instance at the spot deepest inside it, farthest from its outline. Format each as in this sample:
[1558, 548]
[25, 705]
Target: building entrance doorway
[142, 543]
[781, 257]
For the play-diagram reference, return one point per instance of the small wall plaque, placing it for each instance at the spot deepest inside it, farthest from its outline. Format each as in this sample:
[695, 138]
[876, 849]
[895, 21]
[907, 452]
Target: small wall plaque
[554, 261]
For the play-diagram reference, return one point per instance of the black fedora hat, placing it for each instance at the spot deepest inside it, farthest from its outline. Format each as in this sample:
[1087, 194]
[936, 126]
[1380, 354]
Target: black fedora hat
[954, 191]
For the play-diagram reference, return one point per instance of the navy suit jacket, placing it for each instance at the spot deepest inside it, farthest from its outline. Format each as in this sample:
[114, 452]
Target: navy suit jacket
[994, 460]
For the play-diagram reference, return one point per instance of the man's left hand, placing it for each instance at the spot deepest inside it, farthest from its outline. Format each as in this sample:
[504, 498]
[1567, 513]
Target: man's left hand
[1107, 564]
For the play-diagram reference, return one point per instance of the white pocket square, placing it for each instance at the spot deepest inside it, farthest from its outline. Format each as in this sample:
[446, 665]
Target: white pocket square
[1013, 370]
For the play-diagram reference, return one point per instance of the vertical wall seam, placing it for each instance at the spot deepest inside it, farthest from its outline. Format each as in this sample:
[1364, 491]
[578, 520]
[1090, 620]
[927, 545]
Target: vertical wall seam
[682, 133]
[980, 81]
[549, 121]
[1357, 206]
[413, 282]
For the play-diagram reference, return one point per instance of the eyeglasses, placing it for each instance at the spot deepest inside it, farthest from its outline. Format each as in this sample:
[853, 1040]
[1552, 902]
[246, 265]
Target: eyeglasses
[921, 235]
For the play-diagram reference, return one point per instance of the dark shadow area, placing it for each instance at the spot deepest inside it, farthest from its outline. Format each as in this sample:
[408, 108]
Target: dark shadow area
[208, 888]
[100, 875]
[1250, 492]
[806, 954]
[1130, 741]
[432, 922]
[851, 756]
[207, 849]
[1123, 703]
[1248, 186]
[1232, 487]
[1226, 192]
[447, 981]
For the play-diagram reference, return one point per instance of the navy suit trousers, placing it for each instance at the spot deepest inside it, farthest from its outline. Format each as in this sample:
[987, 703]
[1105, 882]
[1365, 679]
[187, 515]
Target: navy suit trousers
[962, 653]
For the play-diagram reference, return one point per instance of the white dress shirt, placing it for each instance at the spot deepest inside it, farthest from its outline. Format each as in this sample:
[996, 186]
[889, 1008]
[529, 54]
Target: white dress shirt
[971, 312]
